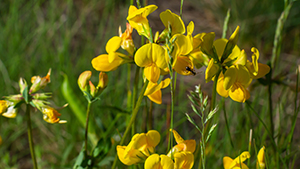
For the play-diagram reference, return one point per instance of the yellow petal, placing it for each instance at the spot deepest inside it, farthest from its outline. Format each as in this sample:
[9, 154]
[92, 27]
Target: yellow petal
[178, 138]
[3, 106]
[243, 157]
[156, 161]
[155, 97]
[220, 86]
[226, 162]
[261, 158]
[130, 157]
[10, 112]
[113, 44]
[241, 59]
[152, 87]
[167, 17]
[262, 70]
[181, 64]
[234, 37]
[183, 44]
[243, 75]
[207, 44]
[153, 138]
[184, 160]
[255, 57]
[211, 70]
[190, 28]
[230, 77]
[100, 63]
[152, 73]
[219, 45]
[149, 54]
[238, 93]
[165, 83]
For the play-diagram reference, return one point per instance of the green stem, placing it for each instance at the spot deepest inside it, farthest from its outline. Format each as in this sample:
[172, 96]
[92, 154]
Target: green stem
[214, 92]
[29, 131]
[227, 124]
[271, 108]
[87, 125]
[135, 88]
[133, 116]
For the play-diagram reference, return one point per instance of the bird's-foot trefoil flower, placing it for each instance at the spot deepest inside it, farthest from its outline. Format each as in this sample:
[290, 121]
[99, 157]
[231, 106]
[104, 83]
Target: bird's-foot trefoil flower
[182, 145]
[153, 90]
[156, 161]
[152, 57]
[237, 163]
[140, 147]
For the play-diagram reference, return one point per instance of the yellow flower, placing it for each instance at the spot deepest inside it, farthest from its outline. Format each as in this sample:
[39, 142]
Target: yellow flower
[182, 48]
[50, 115]
[169, 18]
[137, 18]
[112, 45]
[39, 82]
[237, 163]
[156, 161]
[101, 63]
[184, 160]
[182, 145]
[234, 83]
[127, 42]
[257, 70]
[140, 147]
[152, 57]
[260, 164]
[7, 109]
[153, 90]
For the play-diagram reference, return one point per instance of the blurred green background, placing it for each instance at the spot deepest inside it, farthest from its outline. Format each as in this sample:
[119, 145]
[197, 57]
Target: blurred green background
[66, 35]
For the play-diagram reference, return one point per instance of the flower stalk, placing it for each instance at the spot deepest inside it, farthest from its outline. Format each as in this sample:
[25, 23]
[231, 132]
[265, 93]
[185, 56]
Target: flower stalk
[30, 140]
[87, 125]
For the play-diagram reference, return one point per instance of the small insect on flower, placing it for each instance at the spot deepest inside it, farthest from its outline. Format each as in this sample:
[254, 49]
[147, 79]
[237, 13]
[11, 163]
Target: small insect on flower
[190, 70]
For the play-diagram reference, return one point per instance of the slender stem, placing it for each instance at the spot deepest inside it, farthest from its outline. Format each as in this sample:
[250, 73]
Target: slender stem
[214, 92]
[271, 109]
[87, 125]
[29, 131]
[133, 116]
[226, 121]
[150, 121]
[135, 88]
[129, 94]
[172, 109]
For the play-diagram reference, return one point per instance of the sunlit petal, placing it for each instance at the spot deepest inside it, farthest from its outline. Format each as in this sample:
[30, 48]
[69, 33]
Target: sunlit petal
[100, 63]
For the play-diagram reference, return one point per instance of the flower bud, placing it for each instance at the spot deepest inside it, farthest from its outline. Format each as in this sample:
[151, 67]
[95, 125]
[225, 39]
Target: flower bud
[14, 98]
[3, 106]
[83, 80]
[39, 82]
[22, 84]
[39, 104]
[41, 96]
[93, 90]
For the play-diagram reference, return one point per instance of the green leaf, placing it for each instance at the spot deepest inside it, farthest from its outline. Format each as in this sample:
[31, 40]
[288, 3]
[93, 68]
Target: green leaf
[25, 94]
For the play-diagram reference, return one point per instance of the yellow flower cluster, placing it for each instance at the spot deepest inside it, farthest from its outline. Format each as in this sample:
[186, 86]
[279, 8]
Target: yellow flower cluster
[234, 71]
[182, 53]
[9, 106]
[142, 149]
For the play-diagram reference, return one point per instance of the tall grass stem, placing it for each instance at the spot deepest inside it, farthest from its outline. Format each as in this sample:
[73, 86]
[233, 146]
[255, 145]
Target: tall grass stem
[87, 125]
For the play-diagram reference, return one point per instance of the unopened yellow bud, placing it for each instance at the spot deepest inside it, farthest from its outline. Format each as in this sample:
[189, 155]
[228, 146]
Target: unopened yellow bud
[39, 82]
[93, 90]
[103, 80]
[83, 80]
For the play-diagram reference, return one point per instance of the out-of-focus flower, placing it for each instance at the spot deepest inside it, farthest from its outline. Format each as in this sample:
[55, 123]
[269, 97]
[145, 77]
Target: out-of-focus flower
[184, 160]
[260, 164]
[156, 161]
[137, 18]
[0, 140]
[39, 82]
[140, 147]
[182, 145]
[152, 57]
[153, 90]
[127, 42]
[51, 115]
[7, 109]
[237, 163]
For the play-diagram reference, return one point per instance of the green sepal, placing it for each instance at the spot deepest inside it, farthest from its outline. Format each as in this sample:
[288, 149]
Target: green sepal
[25, 94]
